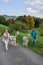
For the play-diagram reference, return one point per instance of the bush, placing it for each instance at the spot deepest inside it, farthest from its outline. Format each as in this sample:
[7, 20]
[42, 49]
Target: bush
[18, 25]
[19, 39]
[41, 29]
[12, 33]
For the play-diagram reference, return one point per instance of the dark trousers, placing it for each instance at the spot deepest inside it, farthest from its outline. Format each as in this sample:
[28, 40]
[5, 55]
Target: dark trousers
[34, 42]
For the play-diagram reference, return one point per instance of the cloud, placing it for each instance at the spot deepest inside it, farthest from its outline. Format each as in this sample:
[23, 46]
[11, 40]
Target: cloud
[6, 0]
[32, 2]
[10, 12]
[35, 7]
[1, 12]
[34, 12]
[30, 10]
[35, 3]
[16, 13]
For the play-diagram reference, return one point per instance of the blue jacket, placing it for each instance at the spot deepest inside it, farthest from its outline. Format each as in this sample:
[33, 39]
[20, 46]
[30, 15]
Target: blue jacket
[33, 34]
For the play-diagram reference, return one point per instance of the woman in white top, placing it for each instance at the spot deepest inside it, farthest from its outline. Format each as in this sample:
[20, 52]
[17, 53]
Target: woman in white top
[6, 36]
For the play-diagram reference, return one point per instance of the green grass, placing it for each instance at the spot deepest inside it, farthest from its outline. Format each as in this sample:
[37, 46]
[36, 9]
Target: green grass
[38, 48]
[2, 28]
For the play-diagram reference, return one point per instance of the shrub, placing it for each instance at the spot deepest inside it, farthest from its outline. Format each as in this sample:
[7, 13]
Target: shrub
[18, 25]
[41, 29]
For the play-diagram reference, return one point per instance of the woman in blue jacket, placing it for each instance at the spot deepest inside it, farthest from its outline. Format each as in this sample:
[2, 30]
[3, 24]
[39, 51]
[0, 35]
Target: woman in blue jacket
[33, 33]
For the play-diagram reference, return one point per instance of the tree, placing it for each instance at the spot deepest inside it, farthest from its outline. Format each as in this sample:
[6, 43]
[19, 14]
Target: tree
[10, 21]
[37, 22]
[27, 20]
[18, 25]
[41, 28]
[31, 22]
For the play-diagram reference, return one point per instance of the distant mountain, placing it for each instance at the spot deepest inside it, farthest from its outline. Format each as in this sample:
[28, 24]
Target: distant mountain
[7, 16]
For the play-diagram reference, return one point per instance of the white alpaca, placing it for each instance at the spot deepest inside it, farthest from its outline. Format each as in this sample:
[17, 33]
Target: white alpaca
[13, 39]
[26, 40]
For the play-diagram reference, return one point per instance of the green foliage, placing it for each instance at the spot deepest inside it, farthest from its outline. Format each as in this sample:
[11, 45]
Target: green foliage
[17, 26]
[11, 28]
[3, 21]
[37, 21]
[31, 22]
[27, 20]
[10, 21]
[12, 33]
[41, 29]
[19, 39]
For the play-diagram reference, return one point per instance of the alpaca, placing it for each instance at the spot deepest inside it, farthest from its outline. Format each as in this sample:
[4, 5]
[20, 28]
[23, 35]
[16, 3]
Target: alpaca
[13, 39]
[26, 40]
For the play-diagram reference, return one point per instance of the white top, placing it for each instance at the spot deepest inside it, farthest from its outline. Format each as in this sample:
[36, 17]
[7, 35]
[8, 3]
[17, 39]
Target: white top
[4, 36]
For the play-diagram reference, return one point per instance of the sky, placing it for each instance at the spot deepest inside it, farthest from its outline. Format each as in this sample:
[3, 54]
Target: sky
[21, 7]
